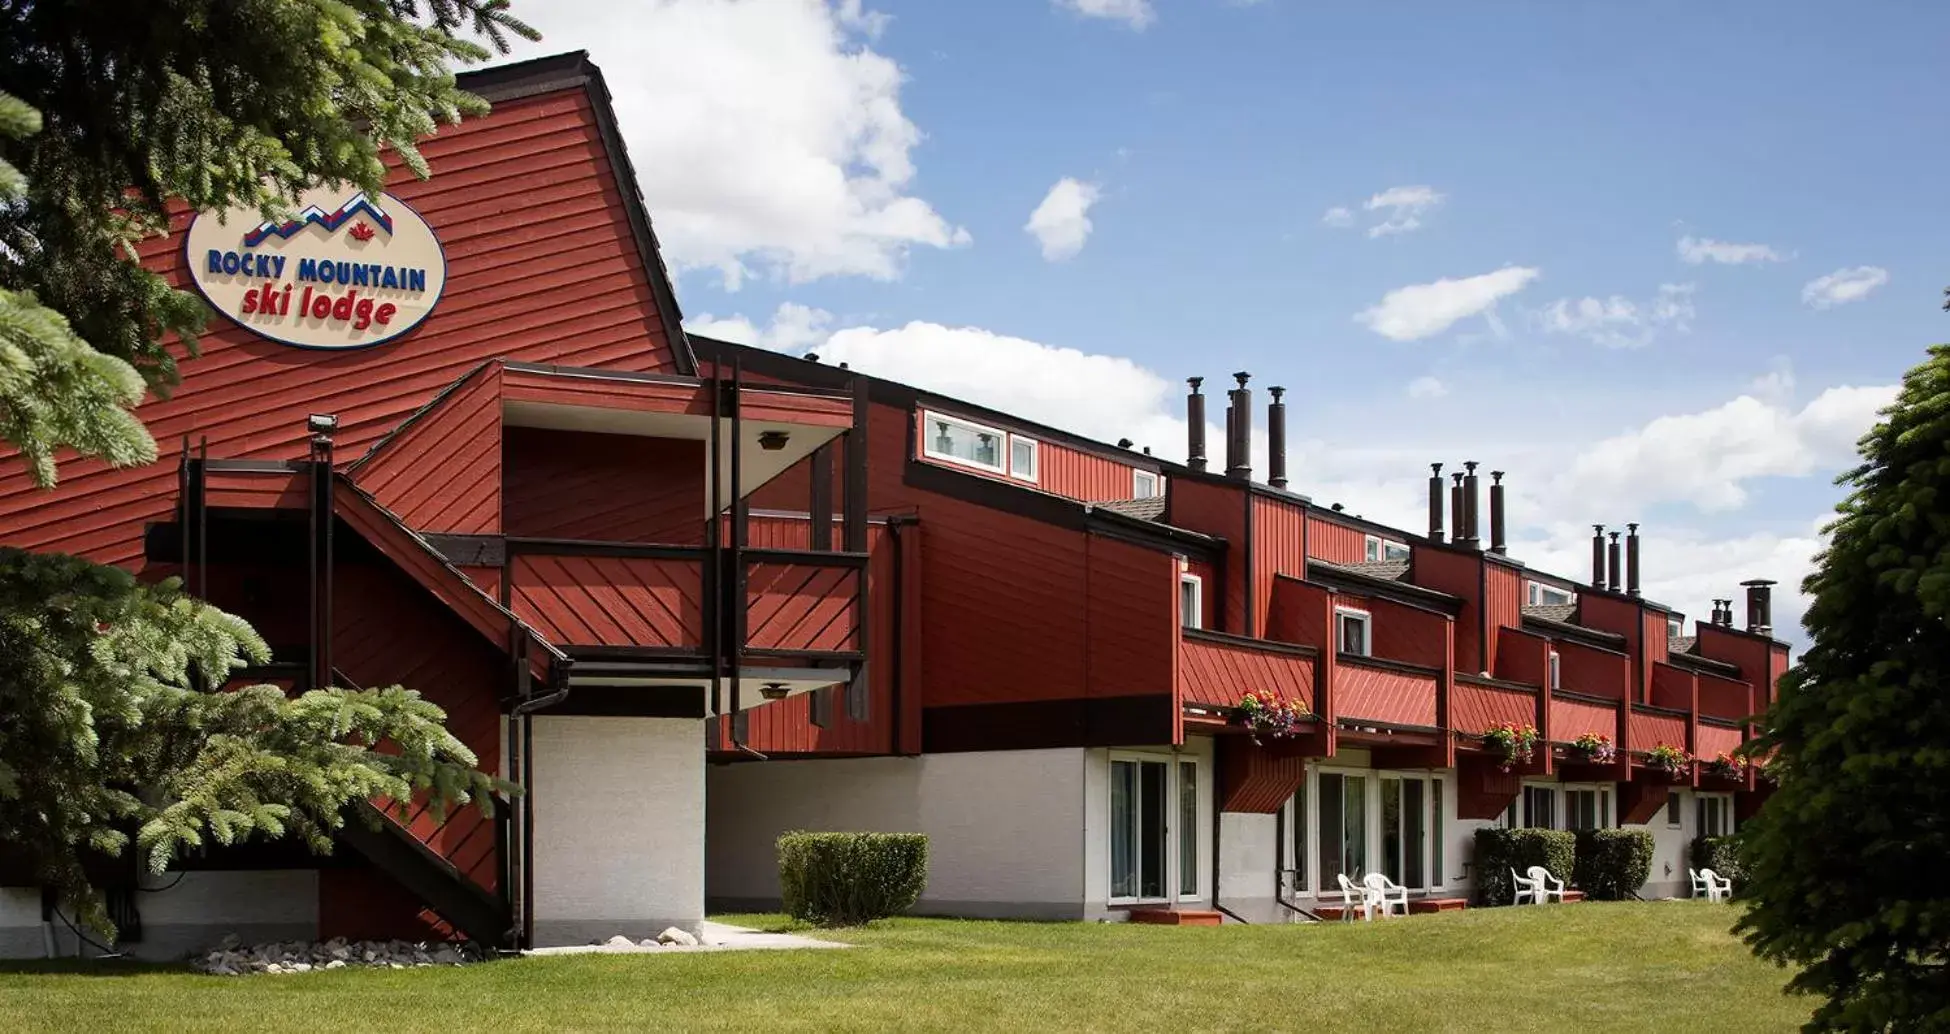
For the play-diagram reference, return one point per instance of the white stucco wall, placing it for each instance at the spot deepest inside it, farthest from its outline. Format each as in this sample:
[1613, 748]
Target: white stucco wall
[193, 913]
[1006, 829]
[1670, 848]
[619, 827]
[1249, 854]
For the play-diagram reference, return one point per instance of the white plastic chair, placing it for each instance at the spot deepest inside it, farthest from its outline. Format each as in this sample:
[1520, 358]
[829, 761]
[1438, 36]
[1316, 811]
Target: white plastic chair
[1392, 896]
[1711, 885]
[1548, 886]
[1354, 895]
[1524, 892]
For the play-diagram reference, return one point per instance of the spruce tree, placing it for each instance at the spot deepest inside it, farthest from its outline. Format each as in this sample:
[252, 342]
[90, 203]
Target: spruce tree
[1846, 861]
[118, 728]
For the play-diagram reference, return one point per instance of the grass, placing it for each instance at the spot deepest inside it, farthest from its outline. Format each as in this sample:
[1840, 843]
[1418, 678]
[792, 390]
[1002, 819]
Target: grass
[1588, 968]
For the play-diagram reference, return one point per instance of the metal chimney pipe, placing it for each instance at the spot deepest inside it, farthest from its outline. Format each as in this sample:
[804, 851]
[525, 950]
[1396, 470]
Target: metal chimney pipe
[1472, 501]
[1497, 543]
[1195, 425]
[1232, 440]
[1611, 580]
[1435, 502]
[1276, 439]
[1597, 556]
[1456, 508]
[1760, 606]
[1241, 467]
[1632, 560]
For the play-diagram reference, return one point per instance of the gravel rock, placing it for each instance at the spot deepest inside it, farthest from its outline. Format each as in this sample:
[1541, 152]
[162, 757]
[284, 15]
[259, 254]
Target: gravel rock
[673, 935]
[619, 941]
[232, 958]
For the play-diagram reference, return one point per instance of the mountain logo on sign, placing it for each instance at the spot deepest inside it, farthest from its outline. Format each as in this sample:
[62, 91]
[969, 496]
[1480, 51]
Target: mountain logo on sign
[331, 221]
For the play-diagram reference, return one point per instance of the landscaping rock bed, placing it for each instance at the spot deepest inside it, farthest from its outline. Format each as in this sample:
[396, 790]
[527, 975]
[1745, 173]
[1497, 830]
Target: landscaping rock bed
[231, 958]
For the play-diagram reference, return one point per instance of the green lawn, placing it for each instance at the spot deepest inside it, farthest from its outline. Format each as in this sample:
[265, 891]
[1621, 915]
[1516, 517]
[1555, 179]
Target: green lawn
[1585, 968]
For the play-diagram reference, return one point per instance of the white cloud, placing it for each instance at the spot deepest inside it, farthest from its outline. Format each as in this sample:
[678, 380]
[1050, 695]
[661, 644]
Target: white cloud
[1339, 217]
[1617, 321]
[1427, 388]
[1696, 250]
[793, 328]
[768, 134]
[1061, 223]
[1422, 310]
[1401, 208]
[1135, 13]
[1843, 286]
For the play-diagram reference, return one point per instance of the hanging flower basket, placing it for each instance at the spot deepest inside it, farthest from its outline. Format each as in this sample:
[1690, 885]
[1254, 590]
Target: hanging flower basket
[1517, 743]
[1268, 717]
[1668, 759]
[1727, 766]
[1595, 747]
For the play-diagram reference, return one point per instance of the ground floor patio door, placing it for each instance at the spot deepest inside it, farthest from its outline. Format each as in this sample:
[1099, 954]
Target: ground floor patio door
[1357, 822]
[1154, 823]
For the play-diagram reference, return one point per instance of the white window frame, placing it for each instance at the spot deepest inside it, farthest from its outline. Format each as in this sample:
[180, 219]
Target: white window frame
[929, 417]
[1536, 590]
[1522, 804]
[1139, 477]
[1367, 631]
[1035, 457]
[1376, 549]
[1554, 672]
[1172, 872]
[1675, 628]
[1675, 809]
[1728, 827]
[1606, 803]
[1436, 825]
[1197, 614]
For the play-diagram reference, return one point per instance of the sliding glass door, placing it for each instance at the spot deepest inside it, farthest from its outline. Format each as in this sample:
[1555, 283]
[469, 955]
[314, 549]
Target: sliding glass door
[1343, 836]
[1353, 823]
[1405, 830]
[1154, 823]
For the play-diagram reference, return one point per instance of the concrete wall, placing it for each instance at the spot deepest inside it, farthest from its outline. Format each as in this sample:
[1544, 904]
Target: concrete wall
[619, 827]
[1249, 855]
[1006, 829]
[190, 915]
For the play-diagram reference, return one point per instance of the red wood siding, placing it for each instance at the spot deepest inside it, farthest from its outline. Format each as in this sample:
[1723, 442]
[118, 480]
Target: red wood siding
[1398, 698]
[1502, 604]
[663, 395]
[801, 607]
[796, 407]
[1403, 633]
[484, 577]
[1624, 617]
[1335, 543]
[1217, 510]
[1256, 779]
[1654, 633]
[1460, 574]
[1715, 740]
[604, 487]
[1132, 598]
[1522, 656]
[610, 601]
[1749, 654]
[442, 471]
[1219, 674]
[1672, 687]
[1591, 671]
[1083, 475]
[1474, 708]
[1208, 591]
[1650, 730]
[541, 267]
[1299, 614]
[427, 569]
[1573, 718]
[1725, 698]
[254, 490]
[1279, 547]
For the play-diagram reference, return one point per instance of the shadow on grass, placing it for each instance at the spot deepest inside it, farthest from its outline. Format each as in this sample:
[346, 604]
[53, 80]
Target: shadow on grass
[89, 967]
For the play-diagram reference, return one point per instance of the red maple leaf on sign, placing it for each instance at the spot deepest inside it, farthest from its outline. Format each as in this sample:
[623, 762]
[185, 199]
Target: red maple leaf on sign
[360, 231]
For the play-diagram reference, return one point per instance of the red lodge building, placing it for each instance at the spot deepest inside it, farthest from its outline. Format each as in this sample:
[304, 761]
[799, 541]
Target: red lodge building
[689, 594]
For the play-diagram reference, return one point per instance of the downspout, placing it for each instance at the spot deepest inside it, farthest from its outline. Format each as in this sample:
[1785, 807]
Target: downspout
[1279, 889]
[1217, 746]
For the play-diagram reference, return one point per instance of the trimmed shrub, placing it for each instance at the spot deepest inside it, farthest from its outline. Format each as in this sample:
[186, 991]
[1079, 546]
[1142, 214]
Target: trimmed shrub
[1720, 854]
[1500, 850]
[1613, 863]
[846, 879]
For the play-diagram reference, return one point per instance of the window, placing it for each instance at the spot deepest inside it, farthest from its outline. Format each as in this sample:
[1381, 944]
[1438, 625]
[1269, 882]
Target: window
[1294, 863]
[1343, 828]
[1542, 595]
[1187, 829]
[1191, 601]
[959, 441]
[1353, 626]
[1556, 680]
[1675, 627]
[1672, 809]
[1715, 815]
[1587, 808]
[1144, 484]
[1385, 549]
[1154, 822]
[1405, 830]
[1435, 824]
[1540, 807]
[1022, 457]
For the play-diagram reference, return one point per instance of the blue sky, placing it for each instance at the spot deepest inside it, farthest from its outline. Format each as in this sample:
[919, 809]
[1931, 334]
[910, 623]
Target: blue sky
[872, 167]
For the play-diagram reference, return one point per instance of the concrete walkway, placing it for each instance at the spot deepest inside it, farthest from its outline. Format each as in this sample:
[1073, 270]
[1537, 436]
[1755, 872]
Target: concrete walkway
[717, 937]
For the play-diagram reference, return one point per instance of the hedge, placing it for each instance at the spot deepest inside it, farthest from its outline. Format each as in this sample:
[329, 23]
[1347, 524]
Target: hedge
[1500, 850]
[1720, 854]
[1612, 864]
[846, 879]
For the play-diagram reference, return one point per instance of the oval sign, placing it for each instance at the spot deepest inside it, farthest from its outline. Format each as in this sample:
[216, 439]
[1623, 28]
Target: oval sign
[346, 271]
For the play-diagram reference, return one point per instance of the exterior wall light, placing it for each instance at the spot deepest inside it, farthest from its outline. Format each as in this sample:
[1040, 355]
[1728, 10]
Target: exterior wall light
[773, 441]
[774, 691]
